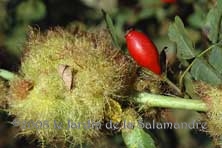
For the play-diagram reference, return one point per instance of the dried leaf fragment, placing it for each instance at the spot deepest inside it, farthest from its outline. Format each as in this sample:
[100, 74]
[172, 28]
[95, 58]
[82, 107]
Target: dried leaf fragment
[66, 73]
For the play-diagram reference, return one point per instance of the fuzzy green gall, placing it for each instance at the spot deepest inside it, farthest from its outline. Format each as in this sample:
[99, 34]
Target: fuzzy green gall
[212, 96]
[68, 76]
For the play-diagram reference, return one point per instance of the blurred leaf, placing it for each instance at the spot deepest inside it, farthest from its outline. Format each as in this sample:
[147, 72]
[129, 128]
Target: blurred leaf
[107, 5]
[133, 135]
[15, 41]
[148, 8]
[213, 21]
[178, 34]
[146, 13]
[121, 18]
[3, 15]
[197, 18]
[31, 10]
[201, 70]
[164, 41]
[189, 86]
[138, 138]
[194, 35]
[215, 58]
[111, 28]
[152, 8]
[149, 3]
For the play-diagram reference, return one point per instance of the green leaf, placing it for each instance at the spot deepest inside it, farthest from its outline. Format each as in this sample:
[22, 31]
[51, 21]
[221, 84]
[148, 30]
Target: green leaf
[189, 86]
[215, 58]
[213, 21]
[111, 28]
[137, 138]
[201, 70]
[178, 34]
[31, 10]
[15, 41]
[6, 74]
[197, 18]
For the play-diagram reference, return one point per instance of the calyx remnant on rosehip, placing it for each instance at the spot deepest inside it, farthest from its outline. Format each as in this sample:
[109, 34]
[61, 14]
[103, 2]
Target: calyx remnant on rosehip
[73, 76]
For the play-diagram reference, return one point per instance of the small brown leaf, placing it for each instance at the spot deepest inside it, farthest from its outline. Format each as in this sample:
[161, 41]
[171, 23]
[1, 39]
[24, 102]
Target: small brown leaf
[66, 73]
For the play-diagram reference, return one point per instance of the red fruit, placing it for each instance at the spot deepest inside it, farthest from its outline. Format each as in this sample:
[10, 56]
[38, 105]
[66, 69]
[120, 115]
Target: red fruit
[143, 51]
[169, 1]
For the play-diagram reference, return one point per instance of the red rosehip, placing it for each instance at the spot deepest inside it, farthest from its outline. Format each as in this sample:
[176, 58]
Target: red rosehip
[169, 1]
[143, 51]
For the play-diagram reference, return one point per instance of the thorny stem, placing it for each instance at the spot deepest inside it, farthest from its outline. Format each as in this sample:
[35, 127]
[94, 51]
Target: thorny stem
[153, 100]
[6, 74]
[191, 64]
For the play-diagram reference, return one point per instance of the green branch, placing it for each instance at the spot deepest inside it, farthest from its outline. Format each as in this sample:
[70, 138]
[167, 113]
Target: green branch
[153, 100]
[6, 74]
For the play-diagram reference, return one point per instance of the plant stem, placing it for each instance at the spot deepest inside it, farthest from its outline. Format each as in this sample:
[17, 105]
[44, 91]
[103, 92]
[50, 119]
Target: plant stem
[164, 78]
[172, 85]
[191, 64]
[6, 74]
[153, 100]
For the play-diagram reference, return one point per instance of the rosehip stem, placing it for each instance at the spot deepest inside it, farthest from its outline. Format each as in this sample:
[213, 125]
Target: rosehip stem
[6, 74]
[172, 85]
[164, 78]
[153, 100]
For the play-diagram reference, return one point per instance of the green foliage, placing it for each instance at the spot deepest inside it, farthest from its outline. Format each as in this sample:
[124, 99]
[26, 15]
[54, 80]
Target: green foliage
[178, 34]
[212, 96]
[213, 22]
[6, 74]
[201, 70]
[215, 58]
[3, 92]
[189, 85]
[31, 10]
[111, 28]
[94, 70]
[49, 94]
[13, 35]
[137, 138]
[197, 19]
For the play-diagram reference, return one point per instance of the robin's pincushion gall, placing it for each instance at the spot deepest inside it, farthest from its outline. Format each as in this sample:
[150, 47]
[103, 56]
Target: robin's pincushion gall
[68, 76]
[3, 92]
[212, 96]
